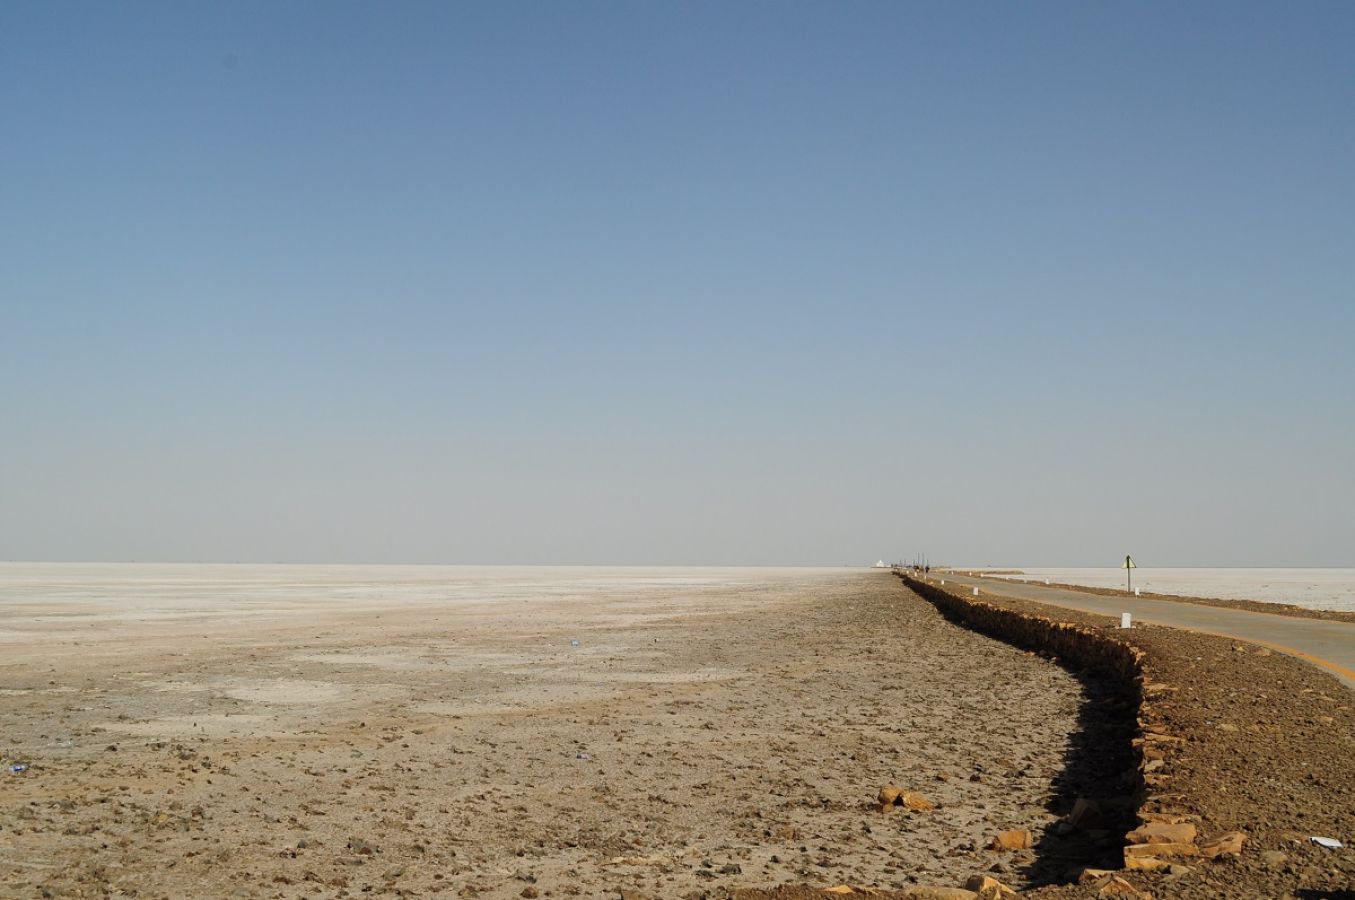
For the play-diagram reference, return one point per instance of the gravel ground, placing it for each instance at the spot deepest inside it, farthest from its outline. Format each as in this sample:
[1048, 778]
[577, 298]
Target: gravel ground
[692, 742]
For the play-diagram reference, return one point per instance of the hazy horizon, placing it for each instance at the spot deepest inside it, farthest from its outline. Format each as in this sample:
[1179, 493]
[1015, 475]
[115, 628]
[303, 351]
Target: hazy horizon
[640, 565]
[696, 284]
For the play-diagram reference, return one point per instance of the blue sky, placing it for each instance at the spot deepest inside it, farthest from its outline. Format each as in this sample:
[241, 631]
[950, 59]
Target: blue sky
[688, 283]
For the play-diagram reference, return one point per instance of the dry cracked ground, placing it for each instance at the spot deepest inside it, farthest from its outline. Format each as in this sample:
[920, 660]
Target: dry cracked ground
[673, 736]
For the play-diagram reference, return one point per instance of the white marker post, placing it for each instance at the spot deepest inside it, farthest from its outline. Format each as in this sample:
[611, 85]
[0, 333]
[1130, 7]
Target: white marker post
[976, 592]
[1124, 620]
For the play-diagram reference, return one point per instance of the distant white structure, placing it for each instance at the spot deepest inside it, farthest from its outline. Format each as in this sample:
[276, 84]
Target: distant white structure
[880, 565]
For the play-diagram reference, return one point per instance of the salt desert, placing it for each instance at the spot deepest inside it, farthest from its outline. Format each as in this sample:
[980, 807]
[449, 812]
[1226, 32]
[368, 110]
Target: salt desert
[329, 731]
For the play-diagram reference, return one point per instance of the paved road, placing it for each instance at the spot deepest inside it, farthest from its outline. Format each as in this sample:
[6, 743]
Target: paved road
[1330, 645]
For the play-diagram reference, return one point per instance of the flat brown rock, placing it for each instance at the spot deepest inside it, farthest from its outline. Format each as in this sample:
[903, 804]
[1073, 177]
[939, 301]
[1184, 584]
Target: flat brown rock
[1161, 849]
[1118, 887]
[1015, 839]
[1229, 844]
[1162, 833]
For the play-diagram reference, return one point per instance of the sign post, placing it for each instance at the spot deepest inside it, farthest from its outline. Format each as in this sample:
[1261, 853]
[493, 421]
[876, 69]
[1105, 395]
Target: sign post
[1129, 566]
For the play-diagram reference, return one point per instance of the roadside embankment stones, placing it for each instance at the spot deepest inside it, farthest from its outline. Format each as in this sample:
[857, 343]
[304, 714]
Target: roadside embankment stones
[986, 887]
[1229, 844]
[1162, 833]
[1115, 886]
[1109, 884]
[1236, 744]
[893, 795]
[1015, 839]
[1160, 850]
[1164, 837]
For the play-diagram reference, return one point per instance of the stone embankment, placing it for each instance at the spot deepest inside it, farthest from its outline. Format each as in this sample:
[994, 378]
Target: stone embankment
[1165, 833]
[1133, 818]
[1203, 767]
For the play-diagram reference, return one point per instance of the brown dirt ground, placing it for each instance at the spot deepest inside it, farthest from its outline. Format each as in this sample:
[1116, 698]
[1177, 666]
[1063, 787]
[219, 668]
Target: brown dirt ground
[696, 740]
[735, 741]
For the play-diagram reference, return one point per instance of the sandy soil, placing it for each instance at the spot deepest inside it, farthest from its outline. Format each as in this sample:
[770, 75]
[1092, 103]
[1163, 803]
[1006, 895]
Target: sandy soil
[699, 737]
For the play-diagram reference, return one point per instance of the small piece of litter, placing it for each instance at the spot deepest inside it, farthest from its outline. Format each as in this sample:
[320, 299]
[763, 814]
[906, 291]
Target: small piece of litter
[1329, 843]
[574, 643]
[583, 756]
[16, 768]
